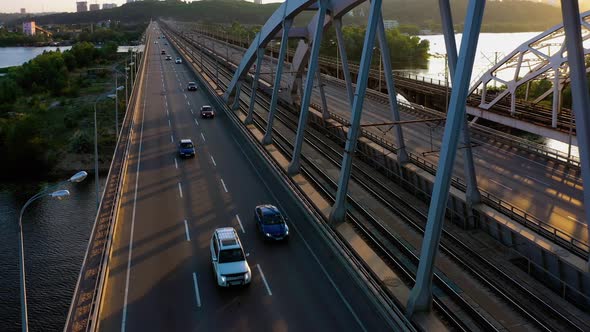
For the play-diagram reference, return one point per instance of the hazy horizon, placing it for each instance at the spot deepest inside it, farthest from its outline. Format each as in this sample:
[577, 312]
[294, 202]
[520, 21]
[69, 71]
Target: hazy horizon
[38, 6]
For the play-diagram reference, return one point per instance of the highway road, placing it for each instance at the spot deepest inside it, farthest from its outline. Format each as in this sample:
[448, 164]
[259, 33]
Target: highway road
[544, 189]
[160, 275]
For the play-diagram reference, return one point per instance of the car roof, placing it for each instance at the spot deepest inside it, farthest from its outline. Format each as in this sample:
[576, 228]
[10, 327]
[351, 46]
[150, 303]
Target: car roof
[228, 237]
[268, 209]
[206, 106]
[192, 83]
[186, 140]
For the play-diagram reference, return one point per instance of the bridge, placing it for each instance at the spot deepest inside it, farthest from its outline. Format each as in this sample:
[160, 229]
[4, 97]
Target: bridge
[148, 263]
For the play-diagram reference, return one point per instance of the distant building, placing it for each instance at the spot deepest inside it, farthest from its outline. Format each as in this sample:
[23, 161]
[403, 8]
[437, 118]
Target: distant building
[29, 28]
[258, 2]
[390, 24]
[109, 5]
[23, 10]
[94, 7]
[81, 6]
[130, 1]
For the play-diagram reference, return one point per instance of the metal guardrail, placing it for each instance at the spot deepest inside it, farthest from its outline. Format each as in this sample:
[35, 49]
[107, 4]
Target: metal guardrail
[83, 312]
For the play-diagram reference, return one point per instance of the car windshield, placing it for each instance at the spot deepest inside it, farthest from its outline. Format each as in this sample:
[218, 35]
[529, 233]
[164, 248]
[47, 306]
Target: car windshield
[186, 145]
[206, 109]
[191, 84]
[272, 219]
[231, 255]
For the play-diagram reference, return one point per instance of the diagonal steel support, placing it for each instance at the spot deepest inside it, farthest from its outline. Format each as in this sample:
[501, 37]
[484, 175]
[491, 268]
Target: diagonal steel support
[267, 139]
[472, 193]
[325, 112]
[259, 57]
[581, 100]
[339, 208]
[295, 163]
[236, 103]
[402, 154]
[343, 58]
[421, 295]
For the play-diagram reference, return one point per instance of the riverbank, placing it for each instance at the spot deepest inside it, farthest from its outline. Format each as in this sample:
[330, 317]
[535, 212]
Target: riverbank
[47, 123]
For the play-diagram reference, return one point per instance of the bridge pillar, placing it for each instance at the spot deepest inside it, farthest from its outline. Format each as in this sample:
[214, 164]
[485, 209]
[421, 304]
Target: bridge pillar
[236, 103]
[402, 155]
[580, 99]
[421, 295]
[343, 58]
[259, 57]
[267, 139]
[295, 163]
[325, 113]
[472, 193]
[339, 208]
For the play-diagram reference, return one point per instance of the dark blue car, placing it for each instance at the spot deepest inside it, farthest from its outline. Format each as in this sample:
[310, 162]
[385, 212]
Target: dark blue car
[271, 223]
[186, 149]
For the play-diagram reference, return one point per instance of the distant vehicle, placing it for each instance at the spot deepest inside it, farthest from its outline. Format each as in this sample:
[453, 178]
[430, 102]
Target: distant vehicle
[178, 60]
[271, 223]
[165, 43]
[168, 57]
[229, 261]
[207, 111]
[192, 86]
[186, 148]
[163, 52]
[155, 42]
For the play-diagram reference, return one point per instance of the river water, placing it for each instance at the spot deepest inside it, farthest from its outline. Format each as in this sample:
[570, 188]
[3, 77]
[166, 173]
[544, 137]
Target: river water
[56, 232]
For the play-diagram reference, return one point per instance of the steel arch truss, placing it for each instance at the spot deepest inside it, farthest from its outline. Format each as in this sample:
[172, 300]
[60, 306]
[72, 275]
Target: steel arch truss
[542, 58]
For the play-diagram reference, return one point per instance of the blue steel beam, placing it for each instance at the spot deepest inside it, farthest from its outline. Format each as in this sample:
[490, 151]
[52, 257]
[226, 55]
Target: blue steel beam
[339, 208]
[580, 99]
[295, 163]
[267, 139]
[421, 295]
[472, 193]
[402, 154]
[343, 58]
[259, 57]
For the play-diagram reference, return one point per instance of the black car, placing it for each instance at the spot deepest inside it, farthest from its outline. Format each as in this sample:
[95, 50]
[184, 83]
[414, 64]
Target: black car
[192, 86]
[207, 111]
[163, 52]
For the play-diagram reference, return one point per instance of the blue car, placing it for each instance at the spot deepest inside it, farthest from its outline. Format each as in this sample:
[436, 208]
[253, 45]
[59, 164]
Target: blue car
[271, 223]
[186, 148]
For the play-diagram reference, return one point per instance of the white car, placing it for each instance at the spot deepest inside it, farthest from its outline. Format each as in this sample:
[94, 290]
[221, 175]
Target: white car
[228, 258]
[178, 60]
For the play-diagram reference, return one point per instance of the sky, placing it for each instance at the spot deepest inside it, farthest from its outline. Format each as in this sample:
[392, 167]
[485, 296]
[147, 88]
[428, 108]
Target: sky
[37, 6]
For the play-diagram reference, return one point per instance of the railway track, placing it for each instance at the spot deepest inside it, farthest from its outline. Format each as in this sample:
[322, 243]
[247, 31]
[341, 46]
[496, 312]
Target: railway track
[530, 306]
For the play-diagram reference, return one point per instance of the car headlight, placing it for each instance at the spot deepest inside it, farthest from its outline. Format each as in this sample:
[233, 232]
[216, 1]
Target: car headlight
[247, 276]
[222, 278]
[286, 230]
[267, 234]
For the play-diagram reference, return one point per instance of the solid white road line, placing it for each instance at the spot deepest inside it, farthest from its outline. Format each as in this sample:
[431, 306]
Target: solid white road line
[175, 163]
[213, 160]
[315, 257]
[224, 187]
[180, 189]
[188, 238]
[126, 296]
[264, 279]
[240, 222]
[498, 183]
[203, 137]
[197, 295]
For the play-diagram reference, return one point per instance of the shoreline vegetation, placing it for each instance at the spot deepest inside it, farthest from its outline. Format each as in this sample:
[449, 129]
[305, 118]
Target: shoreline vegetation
[46, 111]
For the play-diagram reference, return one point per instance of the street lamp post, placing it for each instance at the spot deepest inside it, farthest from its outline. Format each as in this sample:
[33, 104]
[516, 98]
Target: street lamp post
[48, 192]
[337, 56]
[114, 95]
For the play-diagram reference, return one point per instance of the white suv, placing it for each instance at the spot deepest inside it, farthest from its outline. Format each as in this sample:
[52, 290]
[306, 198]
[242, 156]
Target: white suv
[229, 261]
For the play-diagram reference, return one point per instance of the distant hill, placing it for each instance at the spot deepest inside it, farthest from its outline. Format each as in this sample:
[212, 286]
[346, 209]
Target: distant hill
[499, 15]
